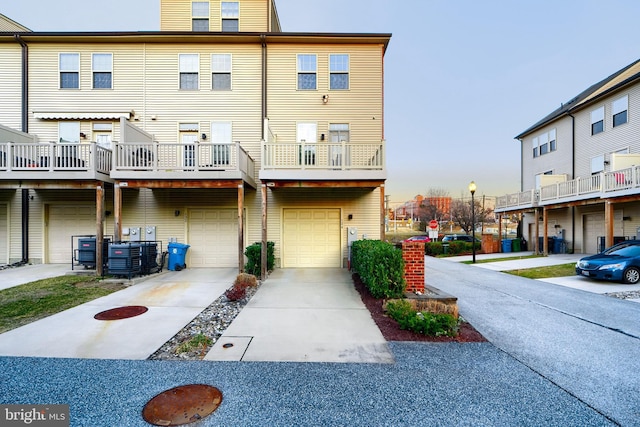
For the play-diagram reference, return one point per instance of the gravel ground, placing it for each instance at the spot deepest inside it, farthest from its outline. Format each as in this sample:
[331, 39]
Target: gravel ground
[210, 323]
[624, 295]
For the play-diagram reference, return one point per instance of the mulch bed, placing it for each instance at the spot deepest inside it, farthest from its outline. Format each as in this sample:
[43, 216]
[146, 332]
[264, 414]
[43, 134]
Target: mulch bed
[392, 332]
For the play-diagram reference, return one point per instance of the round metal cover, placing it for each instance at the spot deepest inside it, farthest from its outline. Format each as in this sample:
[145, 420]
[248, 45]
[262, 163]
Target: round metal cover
[182, 405]
[121, 312]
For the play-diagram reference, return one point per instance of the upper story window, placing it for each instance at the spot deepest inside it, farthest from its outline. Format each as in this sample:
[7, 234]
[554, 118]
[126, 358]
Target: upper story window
[597, 121]
[69, 66]
[230, 13]
[544, 143]
[200, 16]
[307, 72]
[189, 71]
[102, 67]
[221, 71]
[338, 72]
[619, 109]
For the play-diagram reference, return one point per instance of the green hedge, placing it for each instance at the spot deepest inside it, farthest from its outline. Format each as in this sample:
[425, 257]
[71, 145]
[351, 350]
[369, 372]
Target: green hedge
[380, 267]
[455, 248]
[433, 324]
[254, 256]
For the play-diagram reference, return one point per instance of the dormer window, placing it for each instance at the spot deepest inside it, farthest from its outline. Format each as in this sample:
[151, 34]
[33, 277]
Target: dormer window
[200, 16]
[230, 13]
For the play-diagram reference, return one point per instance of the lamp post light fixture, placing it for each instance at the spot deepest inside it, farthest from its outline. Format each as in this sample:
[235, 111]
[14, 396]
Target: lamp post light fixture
[472, 190]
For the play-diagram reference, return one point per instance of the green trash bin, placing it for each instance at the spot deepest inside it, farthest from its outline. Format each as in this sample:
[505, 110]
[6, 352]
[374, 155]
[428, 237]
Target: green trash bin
[445, 248]
[515, 245]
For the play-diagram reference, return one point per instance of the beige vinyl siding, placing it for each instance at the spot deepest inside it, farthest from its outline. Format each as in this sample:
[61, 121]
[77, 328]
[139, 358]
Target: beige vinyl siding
[7, 24]
[241, 105]
[10, 84]
[175, 15]
[15, 228]
[127, 93]
[362, 204]
[361, 105]
[63, 222]
[612, 139]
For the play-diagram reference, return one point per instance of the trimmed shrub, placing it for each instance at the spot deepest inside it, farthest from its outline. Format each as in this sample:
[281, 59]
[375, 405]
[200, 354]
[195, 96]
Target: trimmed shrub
[380, 267]
[246, 280]
[254, 258]
[422, 322]
[236, 293]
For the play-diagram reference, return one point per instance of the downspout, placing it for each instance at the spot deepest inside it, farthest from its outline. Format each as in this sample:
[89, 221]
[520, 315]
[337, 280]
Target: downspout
[263, 189]
[25, 128]
[573, 176]
[264, 84]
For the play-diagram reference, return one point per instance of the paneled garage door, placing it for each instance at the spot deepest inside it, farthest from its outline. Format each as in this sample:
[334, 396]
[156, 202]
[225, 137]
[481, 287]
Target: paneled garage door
[4, 235]
[213, 238]
[311, 238]
[66, 221]
[593, 228]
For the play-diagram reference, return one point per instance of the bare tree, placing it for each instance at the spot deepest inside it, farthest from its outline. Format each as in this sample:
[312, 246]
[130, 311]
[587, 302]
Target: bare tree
[434, 205]
[462, 217]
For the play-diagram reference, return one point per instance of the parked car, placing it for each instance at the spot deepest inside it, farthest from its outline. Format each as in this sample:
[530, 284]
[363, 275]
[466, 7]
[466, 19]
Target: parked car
[418, 239]
[459, 237]
[620, 263]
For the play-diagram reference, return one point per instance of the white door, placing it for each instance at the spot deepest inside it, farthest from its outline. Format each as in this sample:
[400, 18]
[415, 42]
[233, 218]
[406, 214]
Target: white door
[4, 235]
[311, 238]
[593, 229]
[307, 134]
[213, 238]
[65, 221]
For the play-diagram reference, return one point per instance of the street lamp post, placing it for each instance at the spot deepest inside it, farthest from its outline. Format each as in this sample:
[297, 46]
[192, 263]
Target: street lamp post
[472, 189]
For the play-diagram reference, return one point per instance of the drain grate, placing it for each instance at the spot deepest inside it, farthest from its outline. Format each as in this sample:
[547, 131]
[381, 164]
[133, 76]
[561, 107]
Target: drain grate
[121, 312]
[182, 405]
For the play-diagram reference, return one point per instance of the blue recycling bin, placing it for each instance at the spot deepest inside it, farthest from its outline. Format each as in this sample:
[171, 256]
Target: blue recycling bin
[177, 255]
[506, 245]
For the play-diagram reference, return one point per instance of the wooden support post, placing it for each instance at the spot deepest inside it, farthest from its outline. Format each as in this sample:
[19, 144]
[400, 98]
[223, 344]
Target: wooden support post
[608, 223]
[99, 228]
[500, 232]
[382, 214]
[545, 233]
[263, 250]
[117, 212]
[241, 228]
[536, 239]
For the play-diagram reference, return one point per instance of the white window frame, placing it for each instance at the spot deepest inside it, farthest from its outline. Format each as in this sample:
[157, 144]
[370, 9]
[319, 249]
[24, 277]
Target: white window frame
[228, 16]
[307, 67]
[597, 116]
[68, 68]
[597, 164]
[222, 138]
[221, 67]
[102, 133]
[189, 67]
[339, 67]
[97, 67]
[620, 106]
[307, 137]
[536, 147]
[196, 15]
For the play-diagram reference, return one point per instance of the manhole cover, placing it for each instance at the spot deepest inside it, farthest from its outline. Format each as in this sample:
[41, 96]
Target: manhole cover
[121, 312]
[182, 405]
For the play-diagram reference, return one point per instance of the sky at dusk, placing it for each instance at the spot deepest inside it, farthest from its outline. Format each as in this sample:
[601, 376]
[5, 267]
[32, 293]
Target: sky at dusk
[462, 78]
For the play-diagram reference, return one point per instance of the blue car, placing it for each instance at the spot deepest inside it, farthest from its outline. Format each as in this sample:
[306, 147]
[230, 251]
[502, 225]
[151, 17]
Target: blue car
[620, 263]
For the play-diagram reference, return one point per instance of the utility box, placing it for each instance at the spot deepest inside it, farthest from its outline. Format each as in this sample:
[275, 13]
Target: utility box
[150, 233]
[134, 234]
[352, 235]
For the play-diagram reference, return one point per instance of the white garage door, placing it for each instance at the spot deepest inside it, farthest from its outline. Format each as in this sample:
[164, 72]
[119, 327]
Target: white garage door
[593, 229]
[213, 238]
[66, 221]
[4, 235]
[311, 238]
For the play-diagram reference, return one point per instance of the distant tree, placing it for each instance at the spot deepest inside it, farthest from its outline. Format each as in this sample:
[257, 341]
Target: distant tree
[462, 217]
[430, 207]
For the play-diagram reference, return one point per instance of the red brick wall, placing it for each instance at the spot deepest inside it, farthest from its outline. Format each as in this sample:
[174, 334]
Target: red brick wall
[413, 256]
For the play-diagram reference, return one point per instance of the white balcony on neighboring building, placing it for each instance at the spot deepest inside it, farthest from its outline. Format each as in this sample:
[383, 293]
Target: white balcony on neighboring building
[605, 185]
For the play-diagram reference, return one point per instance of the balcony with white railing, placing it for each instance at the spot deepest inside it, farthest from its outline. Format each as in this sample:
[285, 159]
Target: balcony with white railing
[53, 160]
[195, 160]
[605, 185]
[323, 161]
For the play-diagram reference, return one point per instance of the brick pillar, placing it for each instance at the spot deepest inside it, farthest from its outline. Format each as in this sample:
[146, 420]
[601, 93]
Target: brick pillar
[413, 256]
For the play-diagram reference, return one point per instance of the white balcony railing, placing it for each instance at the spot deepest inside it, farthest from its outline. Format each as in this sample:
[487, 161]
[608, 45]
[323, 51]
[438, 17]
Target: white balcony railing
[602, 185]
[327, 156]
[182, 157]
[54, 157]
